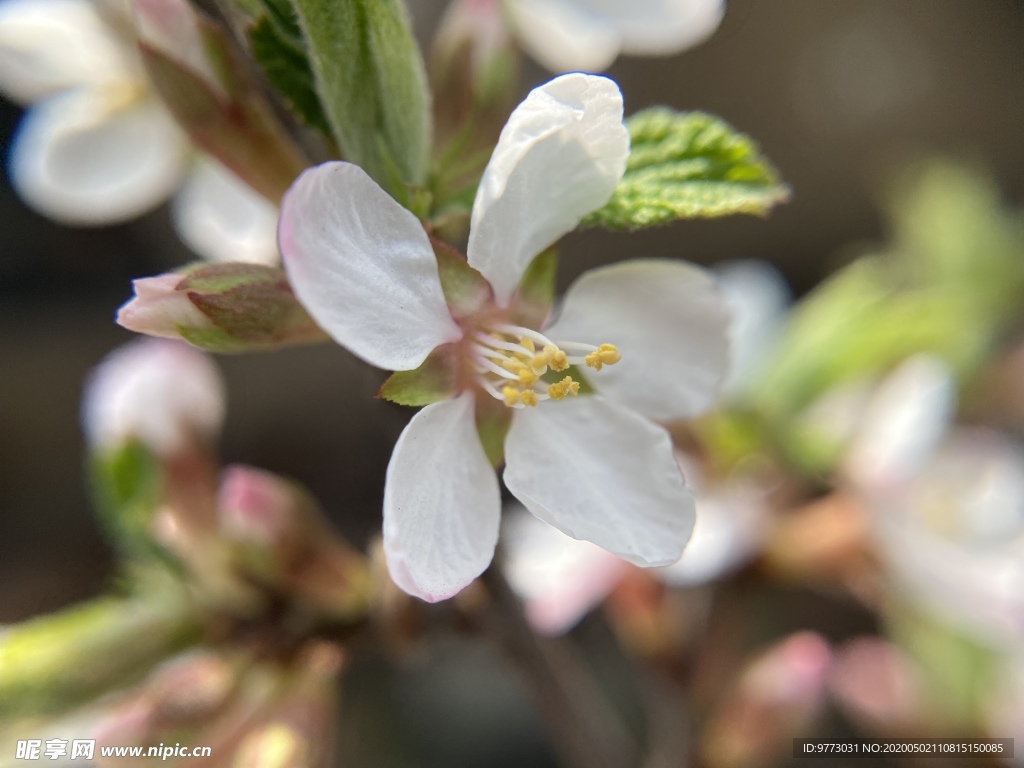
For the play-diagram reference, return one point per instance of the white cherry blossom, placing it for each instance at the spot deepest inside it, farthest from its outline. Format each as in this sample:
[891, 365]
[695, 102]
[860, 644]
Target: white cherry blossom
[588, 35]
[653, 333]
[96, 147]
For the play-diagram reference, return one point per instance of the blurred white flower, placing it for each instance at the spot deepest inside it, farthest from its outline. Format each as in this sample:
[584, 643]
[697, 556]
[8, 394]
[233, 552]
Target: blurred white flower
[588, 35]
[593, 466]
[561, 579]
[162, 393]
[947, 504]
[96, 146]
[759, 298]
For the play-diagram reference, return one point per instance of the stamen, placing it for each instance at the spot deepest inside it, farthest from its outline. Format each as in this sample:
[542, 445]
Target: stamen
[487, 365]
[605, 354]
[526, 333]
[493, 344]
[566, 386]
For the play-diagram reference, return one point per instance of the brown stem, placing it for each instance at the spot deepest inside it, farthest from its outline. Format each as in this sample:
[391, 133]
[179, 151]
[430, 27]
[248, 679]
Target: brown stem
[585, 731]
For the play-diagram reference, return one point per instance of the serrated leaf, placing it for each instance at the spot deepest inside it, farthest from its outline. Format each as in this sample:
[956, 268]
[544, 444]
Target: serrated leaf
[372, 83]
[433, 381]
[685, 165]
[287, 68]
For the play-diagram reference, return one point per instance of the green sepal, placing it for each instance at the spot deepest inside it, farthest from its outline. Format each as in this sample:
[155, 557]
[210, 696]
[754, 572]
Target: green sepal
[465, 290]
[536, 293]
[432, 382]
[372, 83]
[127, 484]
[251, 307]
[493, 419]
[287, 68]
[685, 165]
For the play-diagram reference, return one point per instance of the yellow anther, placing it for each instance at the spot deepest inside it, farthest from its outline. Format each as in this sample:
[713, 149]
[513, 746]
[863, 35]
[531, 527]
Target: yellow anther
[513, 365]
[527, 377]
[529, 397]
[528, 343]
[605, 354]
[511, 395]
[556, 358]
[564, 387]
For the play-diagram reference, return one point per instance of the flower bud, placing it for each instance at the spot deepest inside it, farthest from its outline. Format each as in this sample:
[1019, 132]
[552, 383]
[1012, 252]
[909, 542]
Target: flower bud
[775, 699]
[205, 83]
[161, 393]
[229, 307]
[879, 685]
[283, 538]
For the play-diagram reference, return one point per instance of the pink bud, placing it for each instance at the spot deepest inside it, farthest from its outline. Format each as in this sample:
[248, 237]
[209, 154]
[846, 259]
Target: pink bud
[172, 27]
[159, 308]
[257, 507]
[878, 683]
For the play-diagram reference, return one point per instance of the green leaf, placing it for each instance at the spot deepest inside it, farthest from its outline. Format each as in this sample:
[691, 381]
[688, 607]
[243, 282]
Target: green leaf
[685, 165]
[433, 381]
[288, 70]
[372, 84]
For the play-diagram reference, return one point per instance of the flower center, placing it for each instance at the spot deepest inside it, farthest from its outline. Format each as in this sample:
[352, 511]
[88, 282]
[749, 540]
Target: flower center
[511, 363]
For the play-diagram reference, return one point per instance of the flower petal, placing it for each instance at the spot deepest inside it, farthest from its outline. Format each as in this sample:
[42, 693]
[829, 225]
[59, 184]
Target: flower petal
[560, 156]
[670, 324]
[222, 219]
[601, 473]
[559, 579]
[363, 267]
[47, 46]
[82, 160]
[442, 504]
[660, 27]
[564, 37]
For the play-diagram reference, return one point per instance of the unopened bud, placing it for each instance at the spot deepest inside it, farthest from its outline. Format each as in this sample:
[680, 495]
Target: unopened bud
[473, 52]
[161, 393]
[230, 307]
[191, 687]
[879, 685]
[283, 537]
[776, 698]
[206, 84]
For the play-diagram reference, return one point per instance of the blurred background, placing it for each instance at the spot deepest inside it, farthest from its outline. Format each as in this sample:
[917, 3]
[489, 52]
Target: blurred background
[841, 96]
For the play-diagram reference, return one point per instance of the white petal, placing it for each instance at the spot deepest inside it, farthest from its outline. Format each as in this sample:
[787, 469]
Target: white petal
[159, 392]
[563, 36]
[902, 425]
[363, 267]
[559, 157]
[758, 296]
[82, 160]
[601, 473]
[222, 219]
[48, 46]
[442, 504]
[670, 324]
[559, 579]
[659, 27]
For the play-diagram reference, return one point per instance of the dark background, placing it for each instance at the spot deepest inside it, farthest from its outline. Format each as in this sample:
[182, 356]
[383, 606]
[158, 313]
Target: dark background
[840, 94]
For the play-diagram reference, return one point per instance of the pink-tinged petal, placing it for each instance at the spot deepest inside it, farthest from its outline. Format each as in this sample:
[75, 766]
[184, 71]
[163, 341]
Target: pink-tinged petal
[601, 473]
[160, 392]
[564, 37]
[560, 156]
[671, 325]
[442, 504]
[363, 267]
[47, 46]
[81, 158]
[560, 579]
[160, 309]
[222, 219]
